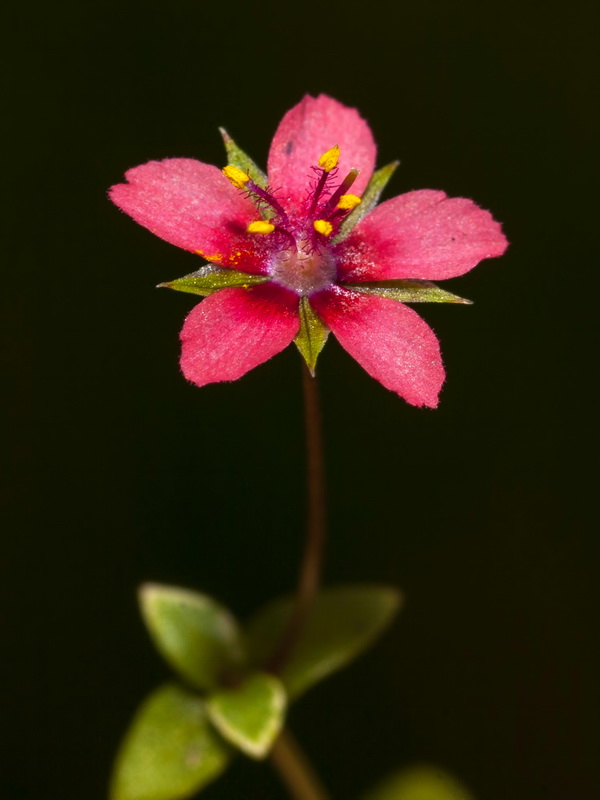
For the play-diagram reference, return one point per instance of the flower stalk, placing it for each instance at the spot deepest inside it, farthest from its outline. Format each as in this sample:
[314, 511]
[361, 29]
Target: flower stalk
[312, 560]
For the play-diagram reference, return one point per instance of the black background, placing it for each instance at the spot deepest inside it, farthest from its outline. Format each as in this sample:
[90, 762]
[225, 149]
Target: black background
[121, 472]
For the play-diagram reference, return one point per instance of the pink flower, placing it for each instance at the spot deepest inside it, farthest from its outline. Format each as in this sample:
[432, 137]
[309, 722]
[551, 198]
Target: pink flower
[299, 256]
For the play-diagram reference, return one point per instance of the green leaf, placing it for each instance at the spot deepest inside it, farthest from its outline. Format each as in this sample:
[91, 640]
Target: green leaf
[344, 622]
[375, 187]
[250, 715]
[312, 335]
[194, 633]
[170, 750]
[408, 291]
[237, 158]
[209, 279]
[420, 783]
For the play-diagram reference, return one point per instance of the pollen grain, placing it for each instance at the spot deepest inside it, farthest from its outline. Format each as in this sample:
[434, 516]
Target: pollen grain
[236, 176]
[323, 226]
[329, 160]
[261, 226]
[348, 201]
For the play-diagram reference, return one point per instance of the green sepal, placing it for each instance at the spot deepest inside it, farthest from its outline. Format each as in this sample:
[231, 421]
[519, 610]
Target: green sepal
[250, 715]
[420, 783]
[237, 158]
[196, 635]
[170, 751]
[375, 187]
[344, 621]
[311, 337]
[209, 279]
[408, 291]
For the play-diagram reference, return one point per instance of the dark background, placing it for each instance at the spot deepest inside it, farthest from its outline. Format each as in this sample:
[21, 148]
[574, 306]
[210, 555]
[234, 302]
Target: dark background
[121, 472]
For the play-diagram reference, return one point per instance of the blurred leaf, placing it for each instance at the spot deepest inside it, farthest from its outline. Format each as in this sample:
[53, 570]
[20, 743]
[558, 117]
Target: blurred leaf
[170, 750]
[375, 187]
[409, 291]
[344, 622]
[420, 783]
[250, 715]
[311, 337]
[194, 633]
[237, 158]
[209, 279]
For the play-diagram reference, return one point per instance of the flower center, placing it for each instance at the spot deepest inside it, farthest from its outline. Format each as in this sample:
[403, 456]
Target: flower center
[305, 269]
[297, 246]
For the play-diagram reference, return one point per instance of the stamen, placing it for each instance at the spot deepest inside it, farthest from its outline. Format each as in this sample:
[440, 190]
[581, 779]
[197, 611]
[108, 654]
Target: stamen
[329, 160]
[268, 198]
[322, 226]
[327, 163]
[341, 190]
[348, 202]
[236, 176]
[260, 226]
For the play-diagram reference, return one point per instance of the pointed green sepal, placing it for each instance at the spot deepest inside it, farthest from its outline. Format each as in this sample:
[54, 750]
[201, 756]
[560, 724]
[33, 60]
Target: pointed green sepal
[409, 291]
[237, 158]
[344, 621]
[312, 335]
[195, 634]
[170, 751]
[209, 279]
[250, 716]
[375, 187]
[420, 783]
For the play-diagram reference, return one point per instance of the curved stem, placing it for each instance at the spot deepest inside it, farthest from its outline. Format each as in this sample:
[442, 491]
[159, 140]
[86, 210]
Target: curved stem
[310, 568]
[295, 771]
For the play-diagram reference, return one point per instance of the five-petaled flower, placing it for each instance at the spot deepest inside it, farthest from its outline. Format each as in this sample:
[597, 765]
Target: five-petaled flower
[299, 255]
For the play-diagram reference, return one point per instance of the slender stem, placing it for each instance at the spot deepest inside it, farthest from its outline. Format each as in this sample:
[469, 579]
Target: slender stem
[310, 573]
[286, 756]
[295, 771]
[310, 568]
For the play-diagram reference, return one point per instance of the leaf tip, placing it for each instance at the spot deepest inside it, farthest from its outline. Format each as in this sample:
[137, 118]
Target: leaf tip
[146, 593]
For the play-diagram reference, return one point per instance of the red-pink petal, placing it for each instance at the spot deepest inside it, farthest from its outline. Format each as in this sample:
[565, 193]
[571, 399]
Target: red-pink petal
[388, 339]
[235, 330]
[307, 131]
[422, 235]
[191, 205]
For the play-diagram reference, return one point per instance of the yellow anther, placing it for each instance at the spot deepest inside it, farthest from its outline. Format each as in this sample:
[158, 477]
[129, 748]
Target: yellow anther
[260, 226]
[329, 160]
[237, 176]
[322, 226]
[348, 201]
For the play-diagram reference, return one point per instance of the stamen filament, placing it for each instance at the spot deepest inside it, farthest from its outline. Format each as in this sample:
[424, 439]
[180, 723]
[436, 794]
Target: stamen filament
[318, 192]
[327, 163]
[270, 200]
